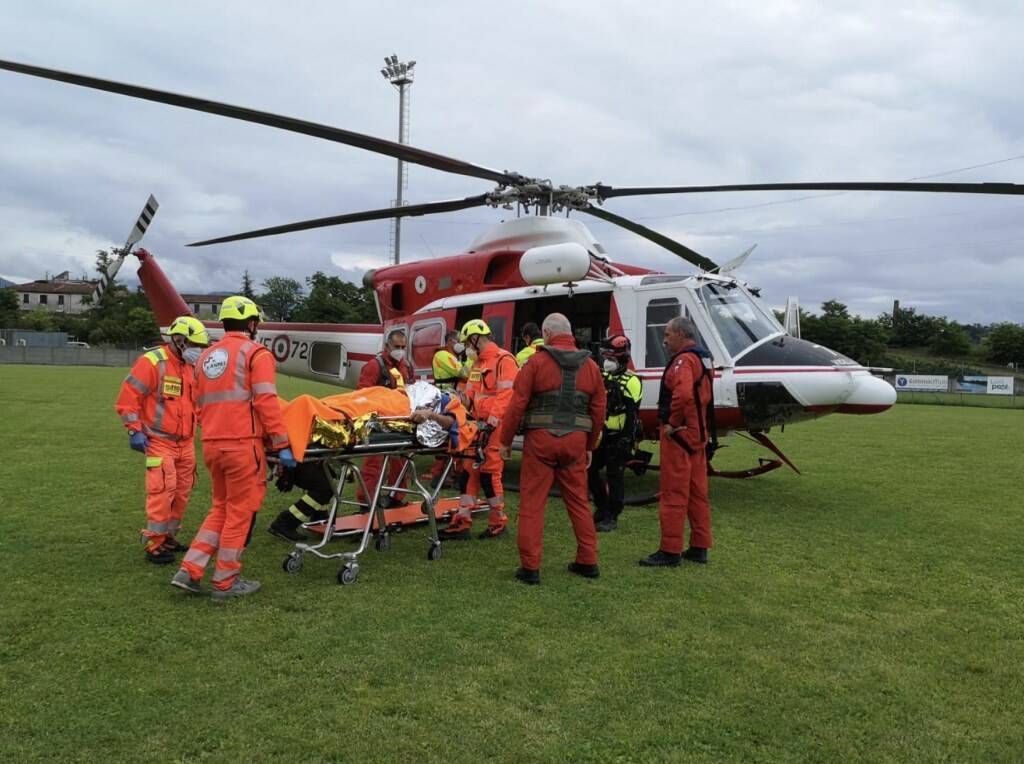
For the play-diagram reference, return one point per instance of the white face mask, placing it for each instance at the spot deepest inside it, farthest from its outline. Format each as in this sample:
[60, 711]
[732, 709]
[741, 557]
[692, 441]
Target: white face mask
[397, 355]
[610, 365]
[191, 356]
[458, 348]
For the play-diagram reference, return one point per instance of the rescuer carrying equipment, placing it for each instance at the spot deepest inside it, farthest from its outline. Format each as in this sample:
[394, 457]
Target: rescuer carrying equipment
[564, 410]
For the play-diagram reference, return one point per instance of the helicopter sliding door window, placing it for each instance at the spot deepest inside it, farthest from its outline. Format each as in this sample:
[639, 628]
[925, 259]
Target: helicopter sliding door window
[660, 311]
[427, 338]
[327, 358]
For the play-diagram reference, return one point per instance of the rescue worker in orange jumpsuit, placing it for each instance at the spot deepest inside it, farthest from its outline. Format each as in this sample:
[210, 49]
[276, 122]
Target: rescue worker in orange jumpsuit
[157, 405]
[684, 403]
[236, 394]
[488, 391]
[389, 368]
[560, 396]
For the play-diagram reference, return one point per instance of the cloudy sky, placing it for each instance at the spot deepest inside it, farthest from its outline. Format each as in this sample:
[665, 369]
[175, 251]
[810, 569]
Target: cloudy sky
[652, 93]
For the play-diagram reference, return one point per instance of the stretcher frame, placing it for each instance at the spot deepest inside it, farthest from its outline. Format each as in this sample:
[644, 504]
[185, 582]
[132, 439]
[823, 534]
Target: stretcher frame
[341, 464]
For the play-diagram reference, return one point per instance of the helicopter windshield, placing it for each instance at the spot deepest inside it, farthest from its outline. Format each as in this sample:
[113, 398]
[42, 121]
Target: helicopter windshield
[739, 322]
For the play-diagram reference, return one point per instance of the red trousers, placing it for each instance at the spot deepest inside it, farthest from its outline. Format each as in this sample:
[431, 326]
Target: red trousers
[683, 482]
[238, 476]
[170, 475]
[371, 470]
[548, 458]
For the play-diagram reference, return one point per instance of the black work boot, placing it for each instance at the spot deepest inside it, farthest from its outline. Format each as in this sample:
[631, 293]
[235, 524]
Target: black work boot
[607, 525]
[159, 556]
[286, 526]
[696, 554]
[661, 559]
[587, 571]
[527, 576]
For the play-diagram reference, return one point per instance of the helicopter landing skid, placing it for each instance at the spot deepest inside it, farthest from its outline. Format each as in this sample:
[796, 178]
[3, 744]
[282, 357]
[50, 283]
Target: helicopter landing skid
[764, 465]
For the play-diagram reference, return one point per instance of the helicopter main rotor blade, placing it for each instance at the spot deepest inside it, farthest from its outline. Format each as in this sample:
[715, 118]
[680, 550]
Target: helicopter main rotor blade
[670, 244]
[411, 210]
[1012, 189]
[335, 134]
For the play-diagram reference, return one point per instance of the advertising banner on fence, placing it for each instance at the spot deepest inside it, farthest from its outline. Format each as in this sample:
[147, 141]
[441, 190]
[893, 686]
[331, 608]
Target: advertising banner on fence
[970, 384]
[932, 383]
[1000, 386]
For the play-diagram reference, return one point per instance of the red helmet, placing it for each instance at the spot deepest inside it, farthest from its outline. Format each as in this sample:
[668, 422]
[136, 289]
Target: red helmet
[617, 346]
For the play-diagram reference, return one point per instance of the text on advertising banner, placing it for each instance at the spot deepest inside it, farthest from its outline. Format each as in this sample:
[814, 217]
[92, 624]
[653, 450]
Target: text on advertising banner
[1000, 386]
[932, 383]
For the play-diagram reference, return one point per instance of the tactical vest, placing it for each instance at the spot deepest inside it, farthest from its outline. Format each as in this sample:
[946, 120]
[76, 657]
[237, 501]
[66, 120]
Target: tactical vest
[566, 409]
[705, 409]
[389, 377]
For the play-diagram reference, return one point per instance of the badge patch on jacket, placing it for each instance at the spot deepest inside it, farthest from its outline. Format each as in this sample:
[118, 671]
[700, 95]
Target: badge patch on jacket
[215, 364]
[172, 387]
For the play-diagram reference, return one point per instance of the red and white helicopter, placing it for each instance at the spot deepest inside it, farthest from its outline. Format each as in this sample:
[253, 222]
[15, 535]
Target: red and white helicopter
[530, 266]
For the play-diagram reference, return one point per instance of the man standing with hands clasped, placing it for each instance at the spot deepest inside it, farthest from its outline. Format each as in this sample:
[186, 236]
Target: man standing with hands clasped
[685, 402]
[560, 397]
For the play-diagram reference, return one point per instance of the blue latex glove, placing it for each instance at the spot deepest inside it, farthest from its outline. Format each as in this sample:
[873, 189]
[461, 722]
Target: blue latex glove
[138, 441]
[287, 458]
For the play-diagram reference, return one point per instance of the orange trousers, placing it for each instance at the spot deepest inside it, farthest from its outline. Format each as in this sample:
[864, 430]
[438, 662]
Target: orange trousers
[170, 475]
[487, 473]
[548, 458]
[238, 479]
[683, 482]
[371, 470]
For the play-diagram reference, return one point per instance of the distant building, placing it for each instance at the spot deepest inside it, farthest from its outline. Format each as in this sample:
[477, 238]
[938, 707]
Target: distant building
[205, 305]
[61, 294]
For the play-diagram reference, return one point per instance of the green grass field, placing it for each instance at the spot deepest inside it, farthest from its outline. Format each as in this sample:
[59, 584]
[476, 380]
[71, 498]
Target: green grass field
[868, 610]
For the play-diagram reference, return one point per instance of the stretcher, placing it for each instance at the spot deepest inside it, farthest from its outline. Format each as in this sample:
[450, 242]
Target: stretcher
[370, 518]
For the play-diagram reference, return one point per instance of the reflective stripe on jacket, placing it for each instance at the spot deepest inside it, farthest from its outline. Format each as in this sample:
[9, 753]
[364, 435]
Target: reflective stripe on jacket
[236, 392]
[158, 396]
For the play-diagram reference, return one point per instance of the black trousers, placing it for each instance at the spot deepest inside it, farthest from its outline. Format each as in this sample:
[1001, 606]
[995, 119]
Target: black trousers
[610, 456]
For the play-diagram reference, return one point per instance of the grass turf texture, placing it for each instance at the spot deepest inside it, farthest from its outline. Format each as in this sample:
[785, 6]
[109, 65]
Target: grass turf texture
[868, 610]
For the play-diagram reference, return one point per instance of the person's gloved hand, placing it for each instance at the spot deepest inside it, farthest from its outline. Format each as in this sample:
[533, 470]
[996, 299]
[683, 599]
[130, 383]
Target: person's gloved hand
[138, 441]
[287, 458]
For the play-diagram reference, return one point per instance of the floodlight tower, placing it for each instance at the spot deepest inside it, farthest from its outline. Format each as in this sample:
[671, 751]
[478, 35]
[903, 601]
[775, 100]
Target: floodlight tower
[399, 74]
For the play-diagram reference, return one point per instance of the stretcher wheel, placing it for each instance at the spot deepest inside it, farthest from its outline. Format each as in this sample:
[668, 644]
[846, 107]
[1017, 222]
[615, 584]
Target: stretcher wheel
[435, 552]
[292, 563]
[383, 542]
[347, 576]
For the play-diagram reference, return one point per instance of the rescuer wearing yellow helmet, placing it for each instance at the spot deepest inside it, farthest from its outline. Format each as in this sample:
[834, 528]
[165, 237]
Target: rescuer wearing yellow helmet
[156, 403]
[236, 395]
[488, 390]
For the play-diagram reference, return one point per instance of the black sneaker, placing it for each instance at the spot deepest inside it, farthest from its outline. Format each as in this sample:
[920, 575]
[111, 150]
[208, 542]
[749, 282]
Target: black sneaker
[160, 556]
[661, 559]
[491, 533]
[587, 571]
[175, 546]
[283, 529]
[605, 526]
[527, 576]
[454, 535]
[696, 554]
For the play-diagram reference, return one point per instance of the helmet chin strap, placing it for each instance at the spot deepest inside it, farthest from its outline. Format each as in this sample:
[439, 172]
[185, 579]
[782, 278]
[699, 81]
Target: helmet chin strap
[179, 344]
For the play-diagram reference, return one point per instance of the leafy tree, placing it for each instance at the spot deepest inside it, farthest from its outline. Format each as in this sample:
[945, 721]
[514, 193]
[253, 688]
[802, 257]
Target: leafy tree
[8, 307]
[40, 320]
[863, 340]
[333, 300]
[247, 290]
[1005, 343]
[950, 339]
[282, 299]
[909, 328]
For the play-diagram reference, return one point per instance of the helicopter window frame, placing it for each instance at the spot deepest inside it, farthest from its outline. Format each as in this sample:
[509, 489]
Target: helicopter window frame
[414, 346]
[726, 327]
[655, 353]
[316, 350]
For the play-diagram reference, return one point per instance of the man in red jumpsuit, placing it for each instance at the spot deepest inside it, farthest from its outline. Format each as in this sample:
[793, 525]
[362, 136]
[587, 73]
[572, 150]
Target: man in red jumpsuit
[683, 401]
[240, 417]
[488, 391]
[157, 405]
[389, 368]
[560, 395]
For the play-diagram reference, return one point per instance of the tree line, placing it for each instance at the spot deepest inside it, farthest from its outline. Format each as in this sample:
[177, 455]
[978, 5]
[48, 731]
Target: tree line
[878, 341]
[123, 318]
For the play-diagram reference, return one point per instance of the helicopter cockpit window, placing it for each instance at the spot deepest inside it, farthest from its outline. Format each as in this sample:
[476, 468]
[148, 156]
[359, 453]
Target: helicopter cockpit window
[739, 322]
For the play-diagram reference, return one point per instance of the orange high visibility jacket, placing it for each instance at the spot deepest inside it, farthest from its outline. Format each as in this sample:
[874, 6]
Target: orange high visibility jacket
[158, 396]
[236, 392]
[489, 388]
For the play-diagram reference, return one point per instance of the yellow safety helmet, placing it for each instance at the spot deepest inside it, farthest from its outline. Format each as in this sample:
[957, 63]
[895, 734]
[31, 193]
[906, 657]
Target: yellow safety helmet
[239, 308]
[191, 329]
[473, 326]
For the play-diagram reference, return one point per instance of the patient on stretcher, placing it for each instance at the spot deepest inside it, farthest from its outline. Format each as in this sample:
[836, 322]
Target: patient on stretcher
[341, 421]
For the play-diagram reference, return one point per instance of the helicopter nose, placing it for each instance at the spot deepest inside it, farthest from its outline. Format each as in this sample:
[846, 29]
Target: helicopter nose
[870, 395]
